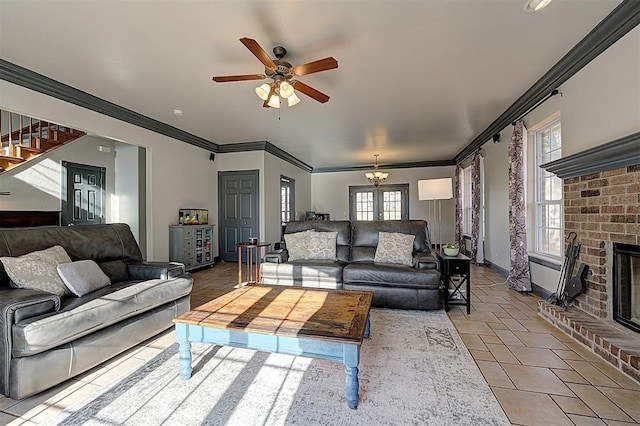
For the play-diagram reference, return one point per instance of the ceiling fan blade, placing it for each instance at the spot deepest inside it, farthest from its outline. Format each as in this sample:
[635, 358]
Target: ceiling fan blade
[227, 78]
[310, 91]
[258, 52]
[315, 66]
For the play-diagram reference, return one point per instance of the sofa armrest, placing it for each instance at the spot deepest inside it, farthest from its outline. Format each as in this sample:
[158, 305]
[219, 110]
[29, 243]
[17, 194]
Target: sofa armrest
[17, 304]
[276, 256]
[154, 270]
[426, 261]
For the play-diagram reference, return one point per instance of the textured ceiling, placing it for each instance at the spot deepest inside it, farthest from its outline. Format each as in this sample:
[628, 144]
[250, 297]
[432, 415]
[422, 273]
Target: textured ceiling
[417, 80]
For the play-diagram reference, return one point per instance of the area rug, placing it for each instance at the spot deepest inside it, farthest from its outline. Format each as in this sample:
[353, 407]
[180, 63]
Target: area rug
[414, 370]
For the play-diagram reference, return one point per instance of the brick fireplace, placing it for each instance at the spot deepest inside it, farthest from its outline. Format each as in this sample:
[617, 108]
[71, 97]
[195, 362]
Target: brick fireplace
[602, 206]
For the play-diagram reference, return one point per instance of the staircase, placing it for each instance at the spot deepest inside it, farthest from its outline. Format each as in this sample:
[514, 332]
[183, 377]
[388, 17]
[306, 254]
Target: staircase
[23, 138]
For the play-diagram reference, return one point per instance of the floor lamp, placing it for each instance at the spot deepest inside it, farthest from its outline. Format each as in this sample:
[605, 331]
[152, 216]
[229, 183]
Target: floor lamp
[436, 190]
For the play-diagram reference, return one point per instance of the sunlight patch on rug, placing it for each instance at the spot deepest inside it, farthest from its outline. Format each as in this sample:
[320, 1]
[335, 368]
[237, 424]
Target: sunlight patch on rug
[414, 369]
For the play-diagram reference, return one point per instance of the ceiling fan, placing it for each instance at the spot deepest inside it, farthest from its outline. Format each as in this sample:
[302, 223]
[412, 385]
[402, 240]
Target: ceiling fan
[282, 74]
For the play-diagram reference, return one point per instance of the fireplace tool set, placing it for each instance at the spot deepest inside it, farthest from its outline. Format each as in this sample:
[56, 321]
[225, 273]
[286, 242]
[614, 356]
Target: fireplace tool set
[569, 287]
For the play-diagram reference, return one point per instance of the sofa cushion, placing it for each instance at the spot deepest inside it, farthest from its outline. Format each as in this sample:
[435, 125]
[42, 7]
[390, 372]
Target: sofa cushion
[37, 270]
[394, 247]
[83, 276]
[297, 245]
[390, 275]
[87, 314]
[322, 245]
[342, 227]
[116, 270]
[307, 273]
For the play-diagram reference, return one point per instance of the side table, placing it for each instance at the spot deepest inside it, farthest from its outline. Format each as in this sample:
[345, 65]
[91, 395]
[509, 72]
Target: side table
[254, 254]
[460, 267]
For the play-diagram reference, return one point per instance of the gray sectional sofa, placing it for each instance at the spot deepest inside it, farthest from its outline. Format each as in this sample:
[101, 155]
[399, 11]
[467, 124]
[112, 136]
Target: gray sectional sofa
[46, 339]
[393, 285]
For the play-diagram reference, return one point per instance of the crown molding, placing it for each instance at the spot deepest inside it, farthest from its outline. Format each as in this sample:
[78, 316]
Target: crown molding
[386, 166]
[32, 80]
[619, 22]
[264, 146]
[619, 153]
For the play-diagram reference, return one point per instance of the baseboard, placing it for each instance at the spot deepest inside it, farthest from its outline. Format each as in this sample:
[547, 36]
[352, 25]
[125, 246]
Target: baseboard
[541, 292]
[496, 268]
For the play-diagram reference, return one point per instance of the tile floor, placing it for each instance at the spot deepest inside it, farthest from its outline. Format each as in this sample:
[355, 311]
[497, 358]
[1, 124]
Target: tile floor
[538, 374]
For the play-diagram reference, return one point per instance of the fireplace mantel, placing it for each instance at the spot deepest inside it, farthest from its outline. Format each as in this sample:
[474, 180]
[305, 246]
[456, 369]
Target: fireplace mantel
[611, 155]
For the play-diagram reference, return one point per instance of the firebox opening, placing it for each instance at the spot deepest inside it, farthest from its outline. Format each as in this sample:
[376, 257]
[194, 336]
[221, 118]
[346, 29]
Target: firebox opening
[626, 285]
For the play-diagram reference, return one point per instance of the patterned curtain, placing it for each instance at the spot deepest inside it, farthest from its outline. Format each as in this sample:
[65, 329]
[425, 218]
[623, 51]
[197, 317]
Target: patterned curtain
[458, 189]
[475, 205]
[519, 278]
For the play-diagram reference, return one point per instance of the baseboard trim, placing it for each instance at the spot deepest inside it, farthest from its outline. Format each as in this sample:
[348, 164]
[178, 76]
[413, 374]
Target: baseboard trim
[541, 292]
[498, 269]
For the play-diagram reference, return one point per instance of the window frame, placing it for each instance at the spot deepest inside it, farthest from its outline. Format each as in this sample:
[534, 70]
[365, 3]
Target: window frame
[288, 184]
[540, 225]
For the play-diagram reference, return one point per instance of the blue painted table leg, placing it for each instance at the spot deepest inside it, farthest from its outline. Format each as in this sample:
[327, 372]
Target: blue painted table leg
[185, 351]
[367, 328]
[351, 360]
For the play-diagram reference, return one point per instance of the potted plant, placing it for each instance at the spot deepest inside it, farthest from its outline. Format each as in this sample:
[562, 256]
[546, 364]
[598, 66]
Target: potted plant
[451, 249]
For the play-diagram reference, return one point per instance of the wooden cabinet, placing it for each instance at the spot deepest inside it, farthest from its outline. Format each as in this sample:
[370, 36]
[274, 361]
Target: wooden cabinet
[191, 245]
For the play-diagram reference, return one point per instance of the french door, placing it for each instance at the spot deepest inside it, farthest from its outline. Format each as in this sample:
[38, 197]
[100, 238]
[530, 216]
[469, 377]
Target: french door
[385, 202]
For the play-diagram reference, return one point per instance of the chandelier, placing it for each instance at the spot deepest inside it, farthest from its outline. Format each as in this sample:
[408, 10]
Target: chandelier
[376, 177]
[280, 88]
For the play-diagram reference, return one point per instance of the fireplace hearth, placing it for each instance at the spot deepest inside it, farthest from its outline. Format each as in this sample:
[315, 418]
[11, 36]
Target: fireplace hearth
[626, 285]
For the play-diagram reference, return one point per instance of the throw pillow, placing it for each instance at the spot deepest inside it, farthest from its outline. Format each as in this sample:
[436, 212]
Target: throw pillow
[322, 245]
[297, 244]
[394, 247]
[37, 270]
[83, 276]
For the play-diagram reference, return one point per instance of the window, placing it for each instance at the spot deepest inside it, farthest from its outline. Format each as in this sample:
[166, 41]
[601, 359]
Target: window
[287, 191]
[549, 227]
[466, 200]
[388, 202]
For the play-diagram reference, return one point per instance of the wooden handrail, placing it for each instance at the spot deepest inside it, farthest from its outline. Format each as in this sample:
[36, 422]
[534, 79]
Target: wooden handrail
[29, 140]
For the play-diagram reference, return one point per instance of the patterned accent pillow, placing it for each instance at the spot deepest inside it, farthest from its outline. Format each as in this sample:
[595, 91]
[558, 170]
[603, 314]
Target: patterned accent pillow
[322, 245]
[83, 277]
[394, 247]
[297, 244]
[37, 270]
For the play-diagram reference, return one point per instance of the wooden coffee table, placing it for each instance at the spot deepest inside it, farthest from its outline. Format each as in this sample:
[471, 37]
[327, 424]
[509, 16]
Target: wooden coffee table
[327, 324]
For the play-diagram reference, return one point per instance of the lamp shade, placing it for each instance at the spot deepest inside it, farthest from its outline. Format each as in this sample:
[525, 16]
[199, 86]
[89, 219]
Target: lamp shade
[286, 90]
[274, 101]
[263, 91]
[293, 99]
[435, 189]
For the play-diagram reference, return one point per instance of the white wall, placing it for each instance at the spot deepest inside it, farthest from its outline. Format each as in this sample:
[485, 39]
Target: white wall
[178, 174]
[39, 186]
[330, 193]
[127, 197]
[599, 104]
[274, 167]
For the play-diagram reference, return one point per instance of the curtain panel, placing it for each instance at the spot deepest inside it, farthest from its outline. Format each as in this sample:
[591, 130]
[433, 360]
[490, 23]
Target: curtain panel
[475, 206]
[519, 278]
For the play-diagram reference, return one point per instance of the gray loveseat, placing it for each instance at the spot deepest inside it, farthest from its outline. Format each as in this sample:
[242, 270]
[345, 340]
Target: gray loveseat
[46, 339]
[393, 286]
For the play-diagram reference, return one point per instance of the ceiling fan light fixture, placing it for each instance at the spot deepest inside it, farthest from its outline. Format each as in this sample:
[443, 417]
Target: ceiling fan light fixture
[293, 99]
[535, 5]
[263, 91]
[274, 101]
[286, 89]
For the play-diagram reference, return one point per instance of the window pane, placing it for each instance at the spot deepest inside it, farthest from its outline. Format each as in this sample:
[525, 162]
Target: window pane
[548, 192]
